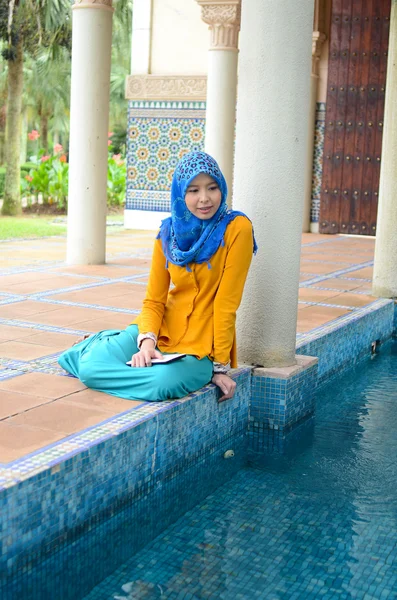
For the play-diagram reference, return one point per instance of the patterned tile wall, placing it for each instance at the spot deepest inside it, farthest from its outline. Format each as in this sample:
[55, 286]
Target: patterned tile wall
[159, 134]
[317, 161]
[280, 403]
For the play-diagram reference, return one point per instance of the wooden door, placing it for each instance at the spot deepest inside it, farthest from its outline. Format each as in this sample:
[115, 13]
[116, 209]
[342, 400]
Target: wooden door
[354, 116]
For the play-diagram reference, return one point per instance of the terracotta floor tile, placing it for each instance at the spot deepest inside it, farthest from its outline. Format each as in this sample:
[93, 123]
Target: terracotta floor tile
[26, 308]
[13, 403]
[61, 417]
[127, 301]
[347, 299]
[314, 316]
[314, 295]
[331, 258]
[23, 351]
[42, 385]
[340, 284]
[56, 282]
[103, 271]
[319, 268]
[9, 280]
[9, 332]
[97, 294]
[366, 287]
[17, 441]
[50, 339]
[102, 401]
[71, 315]
[365, 273]
[141, 263]
[105, 323]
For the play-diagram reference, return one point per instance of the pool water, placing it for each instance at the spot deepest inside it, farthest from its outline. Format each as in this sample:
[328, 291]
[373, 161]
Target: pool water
[319, 521]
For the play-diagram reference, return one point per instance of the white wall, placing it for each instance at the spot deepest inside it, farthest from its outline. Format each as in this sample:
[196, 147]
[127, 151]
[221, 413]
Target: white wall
[180, 39]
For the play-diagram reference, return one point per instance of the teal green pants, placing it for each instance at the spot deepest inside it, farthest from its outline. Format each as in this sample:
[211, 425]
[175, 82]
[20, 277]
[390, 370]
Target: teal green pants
[99, 363]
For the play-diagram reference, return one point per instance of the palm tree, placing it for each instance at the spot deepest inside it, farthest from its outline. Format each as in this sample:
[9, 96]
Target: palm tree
[26, 26]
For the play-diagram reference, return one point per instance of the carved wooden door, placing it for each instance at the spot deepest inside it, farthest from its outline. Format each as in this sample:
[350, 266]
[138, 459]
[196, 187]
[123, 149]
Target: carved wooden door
[354, 116]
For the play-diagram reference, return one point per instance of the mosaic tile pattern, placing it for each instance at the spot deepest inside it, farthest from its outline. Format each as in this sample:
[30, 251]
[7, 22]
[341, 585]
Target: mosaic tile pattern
[319, 129]
[159, 134]
[144, 446]
[279, 403]
[344, 342]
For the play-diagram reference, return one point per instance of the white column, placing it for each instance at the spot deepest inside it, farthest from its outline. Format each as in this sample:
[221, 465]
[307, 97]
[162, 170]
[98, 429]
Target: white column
[223, 17]
[140, 38]
[385, 271]
[269, 182]
[89, 121]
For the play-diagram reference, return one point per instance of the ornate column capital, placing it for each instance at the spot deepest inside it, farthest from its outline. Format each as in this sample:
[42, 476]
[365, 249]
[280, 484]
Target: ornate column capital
[318, 40]
[223, 18]
[101, 4]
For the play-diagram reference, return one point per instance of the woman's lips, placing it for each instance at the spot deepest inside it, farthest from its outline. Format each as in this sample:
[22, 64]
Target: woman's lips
[206, 209]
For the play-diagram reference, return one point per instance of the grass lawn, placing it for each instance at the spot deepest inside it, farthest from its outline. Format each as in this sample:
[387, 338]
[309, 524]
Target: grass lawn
[29, 227]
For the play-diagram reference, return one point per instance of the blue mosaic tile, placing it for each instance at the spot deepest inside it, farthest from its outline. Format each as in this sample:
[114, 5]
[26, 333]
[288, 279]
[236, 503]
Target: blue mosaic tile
[144, 447]
[347, 340]
[278, 403]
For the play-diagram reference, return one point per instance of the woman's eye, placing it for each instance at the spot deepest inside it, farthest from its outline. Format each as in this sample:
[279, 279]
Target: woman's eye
[213, 188]
[193, 191]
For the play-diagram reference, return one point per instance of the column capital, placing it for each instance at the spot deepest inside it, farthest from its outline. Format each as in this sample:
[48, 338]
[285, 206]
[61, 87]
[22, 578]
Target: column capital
[101, 4]
[318, 40]
[223, 18]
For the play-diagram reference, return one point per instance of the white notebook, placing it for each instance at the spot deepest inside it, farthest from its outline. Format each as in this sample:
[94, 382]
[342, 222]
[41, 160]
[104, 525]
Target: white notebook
[167, 358]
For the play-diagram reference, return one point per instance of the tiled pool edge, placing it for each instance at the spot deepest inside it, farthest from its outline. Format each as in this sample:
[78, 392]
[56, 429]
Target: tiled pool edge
[47, 495]
[347, 340]
[65, 494]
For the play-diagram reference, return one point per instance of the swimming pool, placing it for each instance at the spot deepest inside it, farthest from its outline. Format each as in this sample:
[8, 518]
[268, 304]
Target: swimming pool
[315, 516]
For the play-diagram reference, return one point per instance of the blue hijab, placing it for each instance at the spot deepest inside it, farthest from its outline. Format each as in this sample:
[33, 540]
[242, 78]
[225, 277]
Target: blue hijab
[185, 237]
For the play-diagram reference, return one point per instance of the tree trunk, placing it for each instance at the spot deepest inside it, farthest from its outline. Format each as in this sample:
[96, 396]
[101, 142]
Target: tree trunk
[12, 194]
[44, 131]
[24, 136]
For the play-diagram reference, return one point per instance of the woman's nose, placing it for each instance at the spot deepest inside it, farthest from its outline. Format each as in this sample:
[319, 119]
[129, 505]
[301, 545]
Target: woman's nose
[204, 196]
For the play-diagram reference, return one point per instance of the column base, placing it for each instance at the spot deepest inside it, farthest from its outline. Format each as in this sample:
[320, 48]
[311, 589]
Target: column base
[281, 397]
[314, 227]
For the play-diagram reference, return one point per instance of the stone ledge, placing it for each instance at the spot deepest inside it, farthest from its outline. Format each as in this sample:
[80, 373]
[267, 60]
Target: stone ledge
[302, 362]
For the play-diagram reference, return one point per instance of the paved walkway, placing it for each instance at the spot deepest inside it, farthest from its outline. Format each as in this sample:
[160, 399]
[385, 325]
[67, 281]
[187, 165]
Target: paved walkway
[45, 305]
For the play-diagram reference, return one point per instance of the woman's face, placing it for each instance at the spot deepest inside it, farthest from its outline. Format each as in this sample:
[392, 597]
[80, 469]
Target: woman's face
[203, 196]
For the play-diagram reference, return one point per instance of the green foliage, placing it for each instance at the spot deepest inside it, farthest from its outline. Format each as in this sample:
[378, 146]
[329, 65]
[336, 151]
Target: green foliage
[117, 173]
[48, 177]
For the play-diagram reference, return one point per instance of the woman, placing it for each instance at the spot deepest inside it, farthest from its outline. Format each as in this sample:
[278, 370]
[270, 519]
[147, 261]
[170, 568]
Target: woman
[205, 250]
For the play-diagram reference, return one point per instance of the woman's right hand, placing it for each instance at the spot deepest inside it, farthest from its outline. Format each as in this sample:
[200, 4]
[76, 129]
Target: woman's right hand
[81, 339]
[143, 358]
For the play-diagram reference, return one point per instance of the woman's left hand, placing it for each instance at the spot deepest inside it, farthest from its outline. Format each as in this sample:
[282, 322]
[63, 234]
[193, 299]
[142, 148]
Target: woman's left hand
[226, 384]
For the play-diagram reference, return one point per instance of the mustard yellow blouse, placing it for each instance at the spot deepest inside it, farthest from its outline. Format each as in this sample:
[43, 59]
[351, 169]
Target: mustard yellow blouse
[198, 314]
